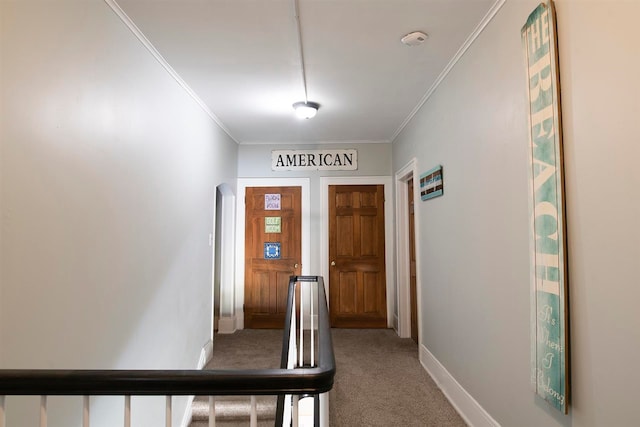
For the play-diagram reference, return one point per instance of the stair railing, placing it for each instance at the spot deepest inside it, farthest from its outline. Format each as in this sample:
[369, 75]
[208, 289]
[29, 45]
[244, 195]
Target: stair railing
[293, 382]
[309, 335]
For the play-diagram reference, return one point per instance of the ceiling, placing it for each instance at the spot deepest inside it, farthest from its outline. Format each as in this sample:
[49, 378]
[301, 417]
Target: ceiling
[241, 58]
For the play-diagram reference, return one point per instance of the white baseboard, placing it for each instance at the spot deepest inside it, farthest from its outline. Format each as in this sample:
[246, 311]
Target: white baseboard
[205, 354]
[239, 321]
[468, 408]
[226, 325]
[205, 357]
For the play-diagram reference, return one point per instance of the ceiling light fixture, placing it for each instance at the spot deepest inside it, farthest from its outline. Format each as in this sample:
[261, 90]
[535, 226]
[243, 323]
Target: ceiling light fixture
[304, 109]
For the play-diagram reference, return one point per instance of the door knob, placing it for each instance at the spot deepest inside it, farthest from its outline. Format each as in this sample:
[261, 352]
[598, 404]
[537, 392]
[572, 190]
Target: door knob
[333, 263]
[295, 265]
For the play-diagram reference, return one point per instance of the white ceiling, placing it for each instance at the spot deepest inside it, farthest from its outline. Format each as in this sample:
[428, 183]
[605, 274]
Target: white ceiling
[241, 58]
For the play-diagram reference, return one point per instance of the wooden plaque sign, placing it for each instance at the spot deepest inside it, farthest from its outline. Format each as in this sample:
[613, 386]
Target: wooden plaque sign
[549, 352]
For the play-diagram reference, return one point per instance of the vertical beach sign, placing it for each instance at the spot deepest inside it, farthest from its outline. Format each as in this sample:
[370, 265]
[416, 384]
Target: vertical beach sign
[549, 325]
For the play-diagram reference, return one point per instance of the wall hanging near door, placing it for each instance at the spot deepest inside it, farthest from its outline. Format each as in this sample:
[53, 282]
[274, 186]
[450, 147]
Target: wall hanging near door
[549, 352]
[431, 184]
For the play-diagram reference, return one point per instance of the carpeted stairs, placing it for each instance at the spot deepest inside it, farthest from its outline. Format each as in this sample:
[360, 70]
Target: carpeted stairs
[233, 411]
[245, 349]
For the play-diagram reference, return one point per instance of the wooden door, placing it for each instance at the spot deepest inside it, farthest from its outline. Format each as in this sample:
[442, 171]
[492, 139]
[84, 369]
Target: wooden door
[357, 282]
[413, 291]
[272, 252]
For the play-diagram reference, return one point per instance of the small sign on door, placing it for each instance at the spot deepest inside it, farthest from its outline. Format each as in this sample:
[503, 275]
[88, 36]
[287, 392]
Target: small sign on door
[272, 202]
[272, 250]
[273, 224]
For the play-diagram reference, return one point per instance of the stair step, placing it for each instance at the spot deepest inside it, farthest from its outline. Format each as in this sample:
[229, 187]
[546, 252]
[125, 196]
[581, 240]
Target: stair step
[234, 408]
[242, 423]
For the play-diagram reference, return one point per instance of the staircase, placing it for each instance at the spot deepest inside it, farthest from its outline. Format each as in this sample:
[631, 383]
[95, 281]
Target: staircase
[304, 387]
[232, 411]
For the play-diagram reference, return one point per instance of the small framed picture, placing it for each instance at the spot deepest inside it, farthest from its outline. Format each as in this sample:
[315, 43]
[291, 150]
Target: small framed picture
[431, 184]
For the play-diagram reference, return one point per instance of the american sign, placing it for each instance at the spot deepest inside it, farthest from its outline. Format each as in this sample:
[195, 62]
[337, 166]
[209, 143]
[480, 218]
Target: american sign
[291, 160]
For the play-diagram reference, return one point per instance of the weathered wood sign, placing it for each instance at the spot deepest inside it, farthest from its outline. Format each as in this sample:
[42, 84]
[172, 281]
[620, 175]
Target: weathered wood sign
[549, 352]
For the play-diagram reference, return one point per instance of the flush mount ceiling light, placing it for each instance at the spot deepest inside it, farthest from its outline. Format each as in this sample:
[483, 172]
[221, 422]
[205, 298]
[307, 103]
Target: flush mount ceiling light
[304, 109]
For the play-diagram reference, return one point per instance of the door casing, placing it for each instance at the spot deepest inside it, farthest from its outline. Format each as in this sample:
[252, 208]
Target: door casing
[410, 170]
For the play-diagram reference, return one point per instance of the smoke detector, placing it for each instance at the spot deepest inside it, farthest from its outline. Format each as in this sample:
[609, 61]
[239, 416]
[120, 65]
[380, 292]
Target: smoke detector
[414, 39]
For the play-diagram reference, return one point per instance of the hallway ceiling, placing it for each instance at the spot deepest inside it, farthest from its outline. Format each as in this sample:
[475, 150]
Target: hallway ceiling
[241, 58]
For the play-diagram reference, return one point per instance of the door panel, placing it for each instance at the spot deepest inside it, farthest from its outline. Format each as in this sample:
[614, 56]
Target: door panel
[267, 278]
[357, 282]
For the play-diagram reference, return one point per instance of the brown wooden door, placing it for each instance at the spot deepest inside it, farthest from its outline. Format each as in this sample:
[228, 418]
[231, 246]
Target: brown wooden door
[413, 291]
[357, 283]
[272, 253]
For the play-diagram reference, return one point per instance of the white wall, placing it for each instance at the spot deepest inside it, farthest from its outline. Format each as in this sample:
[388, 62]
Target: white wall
[474, 265]
[108, 174]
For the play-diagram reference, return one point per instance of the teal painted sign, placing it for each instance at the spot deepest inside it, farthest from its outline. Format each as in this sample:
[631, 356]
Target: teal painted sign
[431, 183]
[549, 355]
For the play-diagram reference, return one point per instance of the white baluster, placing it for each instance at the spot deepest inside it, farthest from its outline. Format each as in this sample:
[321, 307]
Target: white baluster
[324, 410]
[306, 411]
[86, 410]
[294, 410]
[254, 413]
[301, 351]
[312, 342]
[127, 411]
[286, 415]
[293, 349]
[2, 416]
[43, 411]
[168, 412]
[212, 411]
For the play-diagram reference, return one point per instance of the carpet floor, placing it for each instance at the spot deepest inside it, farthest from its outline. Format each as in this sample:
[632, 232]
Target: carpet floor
[379, 380]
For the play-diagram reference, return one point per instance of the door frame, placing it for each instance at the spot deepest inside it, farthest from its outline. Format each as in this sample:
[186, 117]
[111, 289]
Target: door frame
[402, 176]
[325, 182]
[305, 244]
[226, 322]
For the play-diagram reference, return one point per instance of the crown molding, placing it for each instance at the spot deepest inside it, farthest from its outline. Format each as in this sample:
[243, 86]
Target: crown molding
[163, 62]
[465, 46]
[298, 143]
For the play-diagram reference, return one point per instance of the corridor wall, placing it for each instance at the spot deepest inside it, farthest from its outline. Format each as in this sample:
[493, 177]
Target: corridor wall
[473, 242]
[108, 172]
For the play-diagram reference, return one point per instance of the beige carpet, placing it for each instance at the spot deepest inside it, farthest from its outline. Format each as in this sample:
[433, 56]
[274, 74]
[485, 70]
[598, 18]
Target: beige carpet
[379, 380]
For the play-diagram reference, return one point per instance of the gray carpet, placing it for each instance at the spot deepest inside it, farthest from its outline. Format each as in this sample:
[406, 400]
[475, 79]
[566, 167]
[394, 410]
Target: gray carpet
[380, 382]
[379, 379]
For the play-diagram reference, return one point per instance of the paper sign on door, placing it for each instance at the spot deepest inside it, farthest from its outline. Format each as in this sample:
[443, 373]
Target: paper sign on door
[272, 202]
[272, 224]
